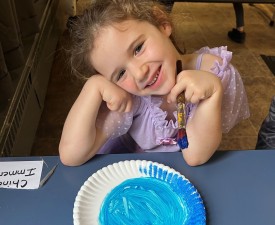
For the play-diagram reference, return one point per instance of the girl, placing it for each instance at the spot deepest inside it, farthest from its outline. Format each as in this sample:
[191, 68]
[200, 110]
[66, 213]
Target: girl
[129, 104]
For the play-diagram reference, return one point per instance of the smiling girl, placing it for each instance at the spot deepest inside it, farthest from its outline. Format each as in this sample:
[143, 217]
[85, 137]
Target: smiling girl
[123, 49]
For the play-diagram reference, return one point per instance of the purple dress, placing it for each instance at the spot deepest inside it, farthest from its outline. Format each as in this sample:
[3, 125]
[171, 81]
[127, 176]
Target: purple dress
[145, 127]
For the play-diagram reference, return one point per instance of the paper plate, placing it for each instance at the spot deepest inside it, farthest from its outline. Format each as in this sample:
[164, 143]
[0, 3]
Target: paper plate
[138, 192]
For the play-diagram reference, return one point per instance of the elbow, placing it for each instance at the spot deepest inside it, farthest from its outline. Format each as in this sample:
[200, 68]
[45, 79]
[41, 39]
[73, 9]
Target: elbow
[196, 154]
[192, 161]
[198, 158]
[66, 158]
[75, 153]
[68, 161]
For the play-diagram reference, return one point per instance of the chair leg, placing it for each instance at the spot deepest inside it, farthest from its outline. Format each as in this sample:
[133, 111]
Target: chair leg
[271, 23]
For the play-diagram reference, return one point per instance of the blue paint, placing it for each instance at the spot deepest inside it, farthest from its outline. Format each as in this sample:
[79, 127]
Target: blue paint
[183, 142]
[143, 201]
[162, 198]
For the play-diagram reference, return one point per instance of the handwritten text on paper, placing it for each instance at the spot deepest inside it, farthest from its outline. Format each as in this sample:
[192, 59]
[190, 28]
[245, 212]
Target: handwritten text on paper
[20, 174]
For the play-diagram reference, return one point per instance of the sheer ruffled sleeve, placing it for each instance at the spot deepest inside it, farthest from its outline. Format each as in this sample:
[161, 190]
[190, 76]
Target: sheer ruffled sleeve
[235, 105]
[113, 123]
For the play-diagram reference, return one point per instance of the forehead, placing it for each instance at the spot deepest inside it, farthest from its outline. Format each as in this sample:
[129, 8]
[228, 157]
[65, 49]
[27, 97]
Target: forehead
[112, 43]
[114, 33]
[125, 30]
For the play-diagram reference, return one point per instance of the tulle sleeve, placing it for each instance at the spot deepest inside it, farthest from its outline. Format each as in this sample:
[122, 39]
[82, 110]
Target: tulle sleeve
[235, 105]
[113, 123]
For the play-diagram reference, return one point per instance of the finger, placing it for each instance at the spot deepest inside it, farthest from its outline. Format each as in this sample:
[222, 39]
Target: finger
[125, 106]
[171, 98]
[129, 106]
[175, 91]
[194, 99]
[111, 106]
[188, 94]
[121, 107]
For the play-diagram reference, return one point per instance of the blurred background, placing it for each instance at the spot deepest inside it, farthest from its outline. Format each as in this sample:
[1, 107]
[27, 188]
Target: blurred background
[196, 25]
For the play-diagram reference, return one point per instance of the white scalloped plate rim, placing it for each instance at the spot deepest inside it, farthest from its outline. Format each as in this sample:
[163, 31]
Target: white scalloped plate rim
[92, 193]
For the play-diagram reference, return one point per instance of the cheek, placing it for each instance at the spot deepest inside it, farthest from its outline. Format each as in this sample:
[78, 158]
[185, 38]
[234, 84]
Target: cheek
[129, 86]
[154, 51]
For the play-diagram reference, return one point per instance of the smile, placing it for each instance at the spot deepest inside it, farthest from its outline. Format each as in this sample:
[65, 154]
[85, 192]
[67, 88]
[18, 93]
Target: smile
[154, 80]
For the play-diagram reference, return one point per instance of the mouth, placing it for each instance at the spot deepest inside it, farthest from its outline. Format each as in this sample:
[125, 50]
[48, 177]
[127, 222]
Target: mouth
[154, 79]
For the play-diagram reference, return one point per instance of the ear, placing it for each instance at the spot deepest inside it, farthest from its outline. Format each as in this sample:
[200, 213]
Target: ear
[166, 29]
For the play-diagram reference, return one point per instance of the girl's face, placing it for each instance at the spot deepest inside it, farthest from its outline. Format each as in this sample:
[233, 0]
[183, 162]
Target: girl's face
[137, 56]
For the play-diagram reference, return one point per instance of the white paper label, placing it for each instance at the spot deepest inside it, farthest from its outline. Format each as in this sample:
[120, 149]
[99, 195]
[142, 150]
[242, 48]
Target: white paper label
[20, 174]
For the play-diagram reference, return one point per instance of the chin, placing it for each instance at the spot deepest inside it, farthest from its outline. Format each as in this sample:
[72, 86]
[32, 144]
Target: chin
[165, 90]
[161, 93]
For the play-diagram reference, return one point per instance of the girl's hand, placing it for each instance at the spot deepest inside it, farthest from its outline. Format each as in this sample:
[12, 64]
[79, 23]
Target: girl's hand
[196, 84]
[115, 97]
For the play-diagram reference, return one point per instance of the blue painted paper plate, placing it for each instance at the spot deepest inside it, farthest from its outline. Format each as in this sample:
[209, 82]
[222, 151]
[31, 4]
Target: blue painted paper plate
[138, 192]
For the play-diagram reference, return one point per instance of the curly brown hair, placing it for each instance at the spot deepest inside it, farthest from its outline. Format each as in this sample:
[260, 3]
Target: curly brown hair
[102, 13]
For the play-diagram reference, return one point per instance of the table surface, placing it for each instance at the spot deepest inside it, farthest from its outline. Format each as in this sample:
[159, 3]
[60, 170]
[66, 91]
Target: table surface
[237, 187]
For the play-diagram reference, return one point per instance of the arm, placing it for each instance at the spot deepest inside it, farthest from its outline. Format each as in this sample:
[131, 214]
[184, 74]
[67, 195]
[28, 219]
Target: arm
[216, 114]
[81, 138]
[204, 128]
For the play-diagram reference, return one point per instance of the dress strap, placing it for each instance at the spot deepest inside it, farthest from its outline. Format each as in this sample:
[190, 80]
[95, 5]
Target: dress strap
[199, 59]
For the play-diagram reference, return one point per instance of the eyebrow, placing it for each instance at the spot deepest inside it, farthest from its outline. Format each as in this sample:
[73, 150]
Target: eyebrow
[129, 51]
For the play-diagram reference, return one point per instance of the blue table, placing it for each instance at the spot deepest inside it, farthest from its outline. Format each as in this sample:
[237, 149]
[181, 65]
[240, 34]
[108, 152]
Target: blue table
[238, 188]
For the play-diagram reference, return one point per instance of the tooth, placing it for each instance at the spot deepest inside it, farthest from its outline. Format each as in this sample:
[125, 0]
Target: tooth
[154, 80]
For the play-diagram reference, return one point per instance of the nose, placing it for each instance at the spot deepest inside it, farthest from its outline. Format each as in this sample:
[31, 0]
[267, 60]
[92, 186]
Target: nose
[139, 71]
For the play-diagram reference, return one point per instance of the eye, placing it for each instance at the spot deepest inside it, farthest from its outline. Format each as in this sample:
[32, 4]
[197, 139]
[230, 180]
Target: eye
[138, 49]
[120, 74]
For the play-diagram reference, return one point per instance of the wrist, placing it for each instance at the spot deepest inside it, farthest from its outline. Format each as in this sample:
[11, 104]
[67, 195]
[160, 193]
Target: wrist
[93, 87]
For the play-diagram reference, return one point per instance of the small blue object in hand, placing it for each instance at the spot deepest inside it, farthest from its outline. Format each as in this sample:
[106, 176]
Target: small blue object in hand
[182, 139]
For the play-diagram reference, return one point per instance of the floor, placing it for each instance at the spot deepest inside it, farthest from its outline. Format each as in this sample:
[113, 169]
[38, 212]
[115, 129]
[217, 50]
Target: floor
[197, 25]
